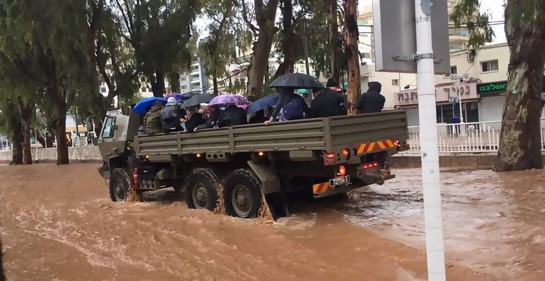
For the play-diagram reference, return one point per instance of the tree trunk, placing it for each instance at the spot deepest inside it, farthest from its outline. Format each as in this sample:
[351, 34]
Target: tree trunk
[262, 48]
[288, 39]
[158, 84]
[350, 33]
[174, 80]
[16, 140]
[60, 133]
[215, 83]
[60, 124]
[520, 137]
[333, 38]
[25, 110]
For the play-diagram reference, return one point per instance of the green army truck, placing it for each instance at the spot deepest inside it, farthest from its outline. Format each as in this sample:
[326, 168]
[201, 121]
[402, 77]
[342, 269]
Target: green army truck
[249, 169]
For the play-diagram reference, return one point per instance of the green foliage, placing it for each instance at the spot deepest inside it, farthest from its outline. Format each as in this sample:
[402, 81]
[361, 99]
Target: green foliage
[216, 48]
[159, 32]
[467, 14]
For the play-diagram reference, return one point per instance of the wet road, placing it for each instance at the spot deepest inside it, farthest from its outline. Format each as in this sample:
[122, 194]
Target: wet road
[493, 222]
[56, 223]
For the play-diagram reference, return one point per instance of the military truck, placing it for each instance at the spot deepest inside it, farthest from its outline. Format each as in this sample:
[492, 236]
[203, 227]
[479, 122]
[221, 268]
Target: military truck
[250, 169]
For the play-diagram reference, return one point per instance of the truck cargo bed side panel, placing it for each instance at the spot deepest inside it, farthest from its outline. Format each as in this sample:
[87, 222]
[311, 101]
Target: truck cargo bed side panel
[307, 134]
[353, 130]
[157, 144]
[212, 140]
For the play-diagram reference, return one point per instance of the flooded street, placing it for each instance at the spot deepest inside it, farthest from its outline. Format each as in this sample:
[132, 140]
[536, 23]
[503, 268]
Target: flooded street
[57, 223]
[493, 222]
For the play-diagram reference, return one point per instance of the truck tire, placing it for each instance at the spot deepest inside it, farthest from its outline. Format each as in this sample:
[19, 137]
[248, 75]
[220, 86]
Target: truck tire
[119, 185]
[200, 189]
[242, 194]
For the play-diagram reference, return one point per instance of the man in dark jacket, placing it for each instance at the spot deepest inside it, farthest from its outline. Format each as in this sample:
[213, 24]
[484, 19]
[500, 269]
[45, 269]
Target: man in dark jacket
[326, 103]
[214, 114]
[372, 101]
[333, 86]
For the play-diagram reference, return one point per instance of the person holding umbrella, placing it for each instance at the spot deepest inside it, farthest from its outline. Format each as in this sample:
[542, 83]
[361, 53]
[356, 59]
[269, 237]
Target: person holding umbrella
[291, 105]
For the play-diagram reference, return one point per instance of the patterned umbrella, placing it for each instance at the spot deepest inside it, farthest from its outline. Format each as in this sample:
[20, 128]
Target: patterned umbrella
[227, 99]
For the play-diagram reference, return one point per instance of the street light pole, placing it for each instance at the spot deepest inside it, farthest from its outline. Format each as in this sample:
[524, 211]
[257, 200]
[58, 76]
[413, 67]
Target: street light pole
[428, 139]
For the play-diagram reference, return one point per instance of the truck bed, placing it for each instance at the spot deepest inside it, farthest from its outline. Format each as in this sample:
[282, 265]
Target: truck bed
[316, 134]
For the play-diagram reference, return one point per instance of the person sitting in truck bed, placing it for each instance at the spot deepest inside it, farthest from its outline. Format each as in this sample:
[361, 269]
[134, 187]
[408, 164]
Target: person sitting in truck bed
[372, 101]
[232, 116]
[194, 119]
[214, 113]
[171, 115]
[290, 106]
[152, 119]
[326, 103]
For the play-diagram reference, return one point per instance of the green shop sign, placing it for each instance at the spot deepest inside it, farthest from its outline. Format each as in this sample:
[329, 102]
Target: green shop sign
[492, 88]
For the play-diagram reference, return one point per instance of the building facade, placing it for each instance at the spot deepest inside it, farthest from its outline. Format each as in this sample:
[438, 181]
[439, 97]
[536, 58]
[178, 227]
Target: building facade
[482, 93]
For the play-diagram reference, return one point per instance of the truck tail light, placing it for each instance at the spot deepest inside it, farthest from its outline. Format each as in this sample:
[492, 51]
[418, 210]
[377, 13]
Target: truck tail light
[346, 153]
[342, 171]
[330, 155]
[370, 165]
[135, 178]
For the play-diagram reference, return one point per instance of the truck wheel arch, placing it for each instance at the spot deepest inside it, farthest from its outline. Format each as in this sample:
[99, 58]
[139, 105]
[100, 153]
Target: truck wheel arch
[267, 174]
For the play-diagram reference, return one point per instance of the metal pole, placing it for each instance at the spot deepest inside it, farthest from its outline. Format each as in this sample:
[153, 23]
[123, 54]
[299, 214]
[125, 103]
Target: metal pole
[428, 141]
[305, 42]
[36, 143]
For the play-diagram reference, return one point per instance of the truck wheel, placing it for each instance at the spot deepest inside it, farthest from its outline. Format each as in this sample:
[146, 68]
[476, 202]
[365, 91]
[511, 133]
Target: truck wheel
[119, 185]
[200, 191]
[242, 194]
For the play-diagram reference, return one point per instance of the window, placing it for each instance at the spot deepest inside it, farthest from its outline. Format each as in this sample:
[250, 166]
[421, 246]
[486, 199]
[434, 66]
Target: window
[366, 55]
[109, 128]
[453, 70]
[488, 66]
[184, 87]
[395, 82]
[144, 90]
[103, 89]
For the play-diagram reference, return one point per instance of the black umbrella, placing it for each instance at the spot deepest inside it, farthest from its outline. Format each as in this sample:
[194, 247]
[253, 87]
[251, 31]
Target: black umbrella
[198, 99]
[296, 80]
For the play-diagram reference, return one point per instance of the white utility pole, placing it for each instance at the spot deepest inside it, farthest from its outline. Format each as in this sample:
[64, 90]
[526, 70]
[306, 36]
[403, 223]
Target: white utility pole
[428, 142]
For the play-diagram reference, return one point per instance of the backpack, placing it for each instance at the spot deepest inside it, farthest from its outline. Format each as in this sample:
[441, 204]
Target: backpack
[293, 109]
[169, 117]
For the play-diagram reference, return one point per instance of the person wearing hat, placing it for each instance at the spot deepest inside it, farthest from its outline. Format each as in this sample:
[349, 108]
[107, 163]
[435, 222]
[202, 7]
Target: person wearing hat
[371, 101]
[171, 115]
[333, 86]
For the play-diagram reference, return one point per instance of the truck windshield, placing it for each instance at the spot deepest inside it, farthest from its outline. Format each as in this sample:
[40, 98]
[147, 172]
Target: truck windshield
[108, 131]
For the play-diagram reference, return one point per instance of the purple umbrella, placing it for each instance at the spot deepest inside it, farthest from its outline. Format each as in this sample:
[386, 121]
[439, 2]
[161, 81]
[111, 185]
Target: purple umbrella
[227, 99]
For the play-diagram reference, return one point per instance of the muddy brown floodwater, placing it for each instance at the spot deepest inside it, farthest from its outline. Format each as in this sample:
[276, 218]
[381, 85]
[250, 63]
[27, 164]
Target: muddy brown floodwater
[57, 223]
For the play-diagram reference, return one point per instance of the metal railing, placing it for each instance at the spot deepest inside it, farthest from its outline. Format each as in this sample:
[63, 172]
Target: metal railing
[476, 137]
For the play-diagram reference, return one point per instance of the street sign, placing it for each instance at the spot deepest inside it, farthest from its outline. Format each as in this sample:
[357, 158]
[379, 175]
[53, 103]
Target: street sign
[492, 87]
[395, 36]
